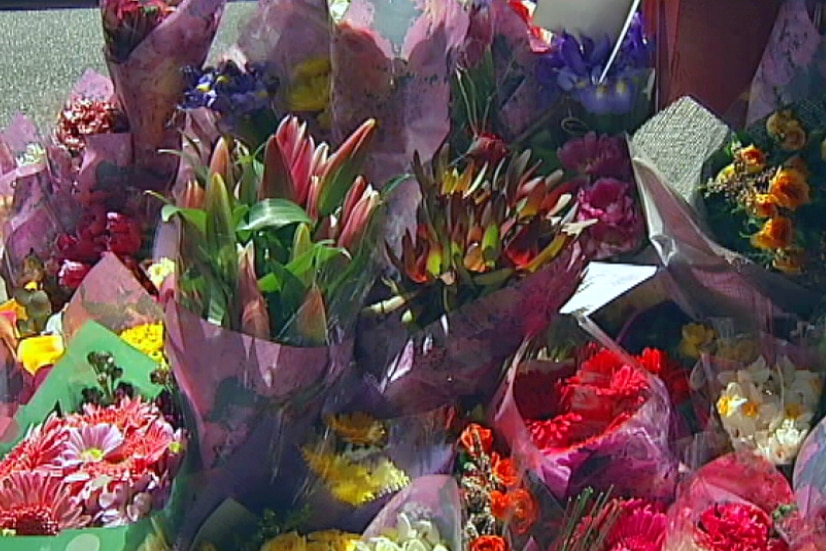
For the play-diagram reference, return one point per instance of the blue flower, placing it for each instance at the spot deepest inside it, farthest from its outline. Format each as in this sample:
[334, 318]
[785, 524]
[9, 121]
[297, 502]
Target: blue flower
[575, 66]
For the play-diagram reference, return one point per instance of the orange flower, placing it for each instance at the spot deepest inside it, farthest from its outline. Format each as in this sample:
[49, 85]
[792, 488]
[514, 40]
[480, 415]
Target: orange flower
[504, 471]
[753, 158]
[790, 261]
[777, 233]
[764, 206]
[789, 188]
[477, 440]
[499, 504]
[518, 508]
[489, 543]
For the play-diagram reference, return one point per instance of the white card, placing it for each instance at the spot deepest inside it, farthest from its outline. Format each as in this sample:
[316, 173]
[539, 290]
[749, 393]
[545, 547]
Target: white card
[591, 18]
[605, 282]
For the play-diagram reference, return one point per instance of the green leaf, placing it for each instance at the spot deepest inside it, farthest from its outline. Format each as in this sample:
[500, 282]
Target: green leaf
[274, 213]
[194, 217]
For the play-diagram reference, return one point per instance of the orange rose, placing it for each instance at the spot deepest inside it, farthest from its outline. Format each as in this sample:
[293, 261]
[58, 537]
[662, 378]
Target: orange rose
[789, 188]
[777, 233]
[499, 504]
[504, 471]
[489, 543]
[477, 440]
[519, 508]
[753, 158]
[764, 206]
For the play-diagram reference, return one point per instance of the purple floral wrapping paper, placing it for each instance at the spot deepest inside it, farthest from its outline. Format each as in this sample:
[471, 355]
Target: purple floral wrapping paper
[634, 459]
[150, 83]
[793, 66]
[397, 72]
[111, 296]
[462, 355]
[809, 478]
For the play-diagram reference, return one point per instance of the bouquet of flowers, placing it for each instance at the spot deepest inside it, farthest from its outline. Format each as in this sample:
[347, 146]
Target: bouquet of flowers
[600, 420]
[93, 454]
[739, 501]
[767, 402]
[768, 192]
[500, 507]
[148, 44]
[489, 242]
[359, 461]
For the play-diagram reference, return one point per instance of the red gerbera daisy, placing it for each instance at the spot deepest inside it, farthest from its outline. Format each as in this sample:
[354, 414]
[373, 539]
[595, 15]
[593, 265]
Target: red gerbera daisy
[37, 504]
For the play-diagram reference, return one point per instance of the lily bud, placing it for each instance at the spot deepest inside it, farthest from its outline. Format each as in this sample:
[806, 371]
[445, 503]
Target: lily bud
[343, 167]
[255, 317]
[220, 163]
[192, 197]
[356, 220]
[311, 319]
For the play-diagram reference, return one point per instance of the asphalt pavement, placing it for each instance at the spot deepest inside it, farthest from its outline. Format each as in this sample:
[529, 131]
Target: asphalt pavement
[44, 53]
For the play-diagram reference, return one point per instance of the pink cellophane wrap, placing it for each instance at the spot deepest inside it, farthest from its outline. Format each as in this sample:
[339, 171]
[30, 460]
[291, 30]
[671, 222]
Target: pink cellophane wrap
[634, 458]
[435, 498]
[734, 478]
[391, 62]
[720, 282]
[285, 33]
[810, 481]
[111, 296]
[150, 82]
[792, 68]
[462, 355]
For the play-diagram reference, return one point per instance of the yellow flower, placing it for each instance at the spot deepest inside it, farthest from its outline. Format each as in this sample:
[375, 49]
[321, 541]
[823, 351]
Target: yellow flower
[358, 429]
[354, 483]
[332, 540]
[160, 270]
[291, 541]
[764, 205]
[149, 339]
[309, 88]
[738, 350]
[783, 127]
[696, 337]
[38, 352]
[727, 175]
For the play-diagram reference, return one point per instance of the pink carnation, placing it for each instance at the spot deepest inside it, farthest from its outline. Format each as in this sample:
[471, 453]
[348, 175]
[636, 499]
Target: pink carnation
[619, 227]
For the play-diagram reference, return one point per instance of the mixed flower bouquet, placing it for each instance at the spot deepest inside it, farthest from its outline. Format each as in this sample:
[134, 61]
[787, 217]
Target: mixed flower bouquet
[768, 192]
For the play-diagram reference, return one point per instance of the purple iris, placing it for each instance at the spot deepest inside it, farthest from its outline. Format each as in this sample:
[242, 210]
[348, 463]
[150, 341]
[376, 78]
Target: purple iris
[235, 94]
[574, 67]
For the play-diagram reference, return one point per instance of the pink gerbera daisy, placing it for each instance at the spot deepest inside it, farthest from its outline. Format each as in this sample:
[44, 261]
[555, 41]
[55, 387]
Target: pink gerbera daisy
[91, 444]
[640, 527]
[37, 504]
[41, 449]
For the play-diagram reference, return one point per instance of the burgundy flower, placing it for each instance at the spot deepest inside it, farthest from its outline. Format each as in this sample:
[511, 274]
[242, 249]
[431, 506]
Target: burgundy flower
[597, 157]
[123, 234]
[37, 504]
[619, 227]
[82, 117]
[72, 273]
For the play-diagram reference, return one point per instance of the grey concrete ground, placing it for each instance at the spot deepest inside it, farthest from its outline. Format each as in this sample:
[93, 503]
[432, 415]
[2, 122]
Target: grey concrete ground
[43, 53]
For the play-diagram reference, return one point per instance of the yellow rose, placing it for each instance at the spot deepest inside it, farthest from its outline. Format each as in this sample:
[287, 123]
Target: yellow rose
[764, 206]
[696, 337]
